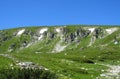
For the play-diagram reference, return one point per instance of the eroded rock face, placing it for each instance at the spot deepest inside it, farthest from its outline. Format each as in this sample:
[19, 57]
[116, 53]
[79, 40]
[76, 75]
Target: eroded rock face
[41, 32]
[24, 43]
[98, 33]
[52, 35]
[111, 30]
[26, 37]
[20, 32]
[91, 29]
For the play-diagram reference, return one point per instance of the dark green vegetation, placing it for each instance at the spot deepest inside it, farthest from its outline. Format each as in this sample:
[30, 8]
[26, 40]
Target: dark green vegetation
[26, 74]
[71, 52]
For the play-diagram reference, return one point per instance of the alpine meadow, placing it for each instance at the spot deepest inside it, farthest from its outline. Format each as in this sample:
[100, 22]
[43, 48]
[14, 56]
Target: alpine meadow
[60, 52]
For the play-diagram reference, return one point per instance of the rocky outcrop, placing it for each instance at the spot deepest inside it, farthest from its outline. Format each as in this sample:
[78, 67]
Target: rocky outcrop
[98, 33]
[26, 37]
[30, 65]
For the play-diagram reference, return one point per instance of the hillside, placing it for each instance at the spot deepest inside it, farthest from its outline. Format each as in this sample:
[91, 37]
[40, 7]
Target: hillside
[71, 52]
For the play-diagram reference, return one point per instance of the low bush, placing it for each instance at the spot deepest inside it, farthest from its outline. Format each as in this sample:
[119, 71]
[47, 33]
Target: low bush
[26, 74]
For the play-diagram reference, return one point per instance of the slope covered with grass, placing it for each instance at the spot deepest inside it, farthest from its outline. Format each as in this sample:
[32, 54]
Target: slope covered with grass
[71, 52]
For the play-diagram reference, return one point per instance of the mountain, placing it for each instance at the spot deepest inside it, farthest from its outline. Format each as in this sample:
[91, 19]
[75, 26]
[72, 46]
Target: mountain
[71, 52]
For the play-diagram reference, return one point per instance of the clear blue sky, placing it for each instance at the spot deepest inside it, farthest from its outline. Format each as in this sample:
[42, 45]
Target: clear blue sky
[17, 13]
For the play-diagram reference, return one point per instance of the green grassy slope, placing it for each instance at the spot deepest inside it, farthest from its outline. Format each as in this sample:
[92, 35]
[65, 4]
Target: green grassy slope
[77, 61]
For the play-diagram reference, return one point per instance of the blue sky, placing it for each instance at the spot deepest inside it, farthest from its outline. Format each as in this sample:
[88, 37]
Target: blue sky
[19, 13]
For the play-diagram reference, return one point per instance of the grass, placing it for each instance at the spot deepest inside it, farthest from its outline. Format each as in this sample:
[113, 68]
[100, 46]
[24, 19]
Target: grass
[63, 66]
[5, 62]
[77, 61]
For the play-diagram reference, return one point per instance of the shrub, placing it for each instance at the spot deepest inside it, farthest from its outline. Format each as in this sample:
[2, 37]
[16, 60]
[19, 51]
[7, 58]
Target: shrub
[26, 74]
